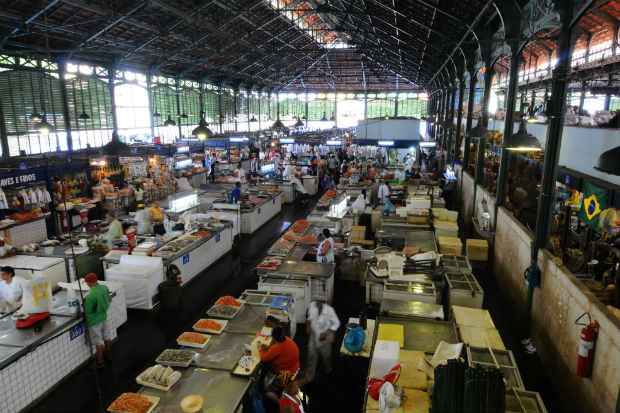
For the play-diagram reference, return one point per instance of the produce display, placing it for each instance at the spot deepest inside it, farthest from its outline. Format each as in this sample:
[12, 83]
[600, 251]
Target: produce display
[269, 263]
[202, 233]
[229, 301]
[192, 339]
[223, 311]
[208, 325]
[131, 403]
[300, 226]
[159, 377]
[179, 358]
[282, 247]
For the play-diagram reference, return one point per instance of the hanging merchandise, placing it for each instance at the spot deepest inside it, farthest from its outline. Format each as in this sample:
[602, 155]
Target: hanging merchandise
[594, 202]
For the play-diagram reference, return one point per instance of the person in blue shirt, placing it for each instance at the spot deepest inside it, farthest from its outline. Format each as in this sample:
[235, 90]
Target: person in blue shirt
[235, 194]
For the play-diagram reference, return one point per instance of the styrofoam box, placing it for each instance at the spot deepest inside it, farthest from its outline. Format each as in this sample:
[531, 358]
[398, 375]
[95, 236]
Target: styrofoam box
[385, 356]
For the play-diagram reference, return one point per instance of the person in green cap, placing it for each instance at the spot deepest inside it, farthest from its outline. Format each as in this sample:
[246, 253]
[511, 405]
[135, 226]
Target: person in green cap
[96, 306]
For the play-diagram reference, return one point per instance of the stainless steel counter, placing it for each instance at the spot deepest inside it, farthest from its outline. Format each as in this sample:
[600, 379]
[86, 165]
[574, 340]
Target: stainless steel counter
[14, 343]
[422, 334]
[222, 392]
[302, 268]
[398, 308]
[223, 351]
[250, 320]
[421, 238]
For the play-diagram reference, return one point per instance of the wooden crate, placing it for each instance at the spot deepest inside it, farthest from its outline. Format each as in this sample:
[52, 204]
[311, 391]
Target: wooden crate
[477, 249]
[450, 245]
[446, 229]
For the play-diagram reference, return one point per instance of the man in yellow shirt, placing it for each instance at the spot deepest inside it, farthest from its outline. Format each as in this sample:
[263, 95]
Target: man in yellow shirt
[156, 213]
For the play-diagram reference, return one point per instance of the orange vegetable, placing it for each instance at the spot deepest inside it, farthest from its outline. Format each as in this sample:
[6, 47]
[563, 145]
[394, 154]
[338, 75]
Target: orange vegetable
[228, 300]
[205, 324]
[190, 337]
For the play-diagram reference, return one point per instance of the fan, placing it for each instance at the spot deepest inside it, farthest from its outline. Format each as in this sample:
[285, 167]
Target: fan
[388, 398]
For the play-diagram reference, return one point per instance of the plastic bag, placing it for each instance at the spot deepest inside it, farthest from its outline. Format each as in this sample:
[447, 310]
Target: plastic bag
[374, 385]
[37, 296]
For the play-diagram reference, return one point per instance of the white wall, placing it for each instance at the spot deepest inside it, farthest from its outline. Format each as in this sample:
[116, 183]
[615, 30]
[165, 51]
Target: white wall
[390, 129]
[581, 147]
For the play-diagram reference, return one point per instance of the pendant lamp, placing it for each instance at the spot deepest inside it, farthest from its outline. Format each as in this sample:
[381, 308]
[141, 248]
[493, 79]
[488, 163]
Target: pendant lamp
[522, 141]
[299, 123]
[169, 121]
[83, 115]
[202, 132]
[609, 161]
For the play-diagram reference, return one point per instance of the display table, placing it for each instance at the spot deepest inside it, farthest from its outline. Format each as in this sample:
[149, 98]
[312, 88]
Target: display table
[254, 217]
[222, 392]
[370, 338]
[311, 183]
[117, 312]
[31, 364]
[26, 266]
[321, 276]
[287, 188]
[190, 254]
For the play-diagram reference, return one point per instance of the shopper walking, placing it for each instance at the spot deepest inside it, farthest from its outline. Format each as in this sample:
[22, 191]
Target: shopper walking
[321, 325]
[96, 306]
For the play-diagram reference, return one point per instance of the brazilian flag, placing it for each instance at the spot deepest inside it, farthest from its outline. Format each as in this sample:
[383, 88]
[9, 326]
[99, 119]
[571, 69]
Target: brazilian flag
[594, 202]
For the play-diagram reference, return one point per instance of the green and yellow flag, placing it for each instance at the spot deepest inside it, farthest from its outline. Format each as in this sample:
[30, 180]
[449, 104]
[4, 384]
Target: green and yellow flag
[594, 202]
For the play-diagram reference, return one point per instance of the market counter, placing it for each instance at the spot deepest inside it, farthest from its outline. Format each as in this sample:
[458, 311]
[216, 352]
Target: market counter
[222, 392]
[32, 363]
[254, 217]
[321, 276]
[287, 188]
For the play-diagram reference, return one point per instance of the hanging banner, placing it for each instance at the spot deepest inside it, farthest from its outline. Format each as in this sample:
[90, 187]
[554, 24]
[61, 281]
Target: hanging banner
[594, 201]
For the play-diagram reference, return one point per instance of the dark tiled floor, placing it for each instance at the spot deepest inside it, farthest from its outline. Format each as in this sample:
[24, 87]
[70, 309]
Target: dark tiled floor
[146, 334]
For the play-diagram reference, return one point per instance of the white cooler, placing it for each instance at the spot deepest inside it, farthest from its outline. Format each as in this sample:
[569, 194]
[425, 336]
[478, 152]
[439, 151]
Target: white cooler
[141, 275]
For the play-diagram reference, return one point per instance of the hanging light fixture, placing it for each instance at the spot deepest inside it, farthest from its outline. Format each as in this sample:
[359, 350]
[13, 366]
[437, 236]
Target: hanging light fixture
[253, 119]
[83, 115]
[609, 161]
[169, 121]
[333, 117]
[522, 141]
[324, 117]
[44, 127]
[299, 123]
[202, 132]
[35, 116]
[278, 125]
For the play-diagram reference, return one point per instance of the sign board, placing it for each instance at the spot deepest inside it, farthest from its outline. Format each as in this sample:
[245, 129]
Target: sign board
[22, 178]
[185, 259]
[76, 331]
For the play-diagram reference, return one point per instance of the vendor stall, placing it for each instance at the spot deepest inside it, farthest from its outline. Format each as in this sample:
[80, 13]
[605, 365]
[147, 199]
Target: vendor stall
[191, 253]
[259, 208]
[321, 276]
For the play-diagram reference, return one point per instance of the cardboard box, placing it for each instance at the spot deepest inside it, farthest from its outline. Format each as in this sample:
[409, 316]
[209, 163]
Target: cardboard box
[477, 249]
[450, 245]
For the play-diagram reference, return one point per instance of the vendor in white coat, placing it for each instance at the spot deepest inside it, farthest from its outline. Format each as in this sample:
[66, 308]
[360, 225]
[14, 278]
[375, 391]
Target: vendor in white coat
[325, 252]
[143, 221]
[11, 288]
[384, 192]
[359, 206]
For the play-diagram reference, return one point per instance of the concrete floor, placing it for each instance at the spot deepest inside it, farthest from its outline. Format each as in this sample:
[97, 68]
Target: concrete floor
[146, 334]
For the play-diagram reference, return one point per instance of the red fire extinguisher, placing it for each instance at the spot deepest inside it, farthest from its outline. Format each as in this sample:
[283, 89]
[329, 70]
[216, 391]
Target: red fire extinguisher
[587, 343]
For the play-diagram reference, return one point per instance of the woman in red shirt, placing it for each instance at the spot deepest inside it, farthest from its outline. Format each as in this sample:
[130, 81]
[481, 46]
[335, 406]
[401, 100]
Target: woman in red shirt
[282, 356]
[290, 401]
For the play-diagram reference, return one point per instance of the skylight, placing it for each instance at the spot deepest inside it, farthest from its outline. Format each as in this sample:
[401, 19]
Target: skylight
[304, 17]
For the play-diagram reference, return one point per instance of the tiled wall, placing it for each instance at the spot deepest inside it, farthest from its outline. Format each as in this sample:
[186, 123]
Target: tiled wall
[28, 378]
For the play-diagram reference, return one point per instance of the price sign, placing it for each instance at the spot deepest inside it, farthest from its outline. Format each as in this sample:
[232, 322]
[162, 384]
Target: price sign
[217, 237]
[76, 331]
[185, 259]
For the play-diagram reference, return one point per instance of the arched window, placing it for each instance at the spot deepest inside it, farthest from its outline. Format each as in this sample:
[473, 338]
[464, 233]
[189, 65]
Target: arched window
[132, 112]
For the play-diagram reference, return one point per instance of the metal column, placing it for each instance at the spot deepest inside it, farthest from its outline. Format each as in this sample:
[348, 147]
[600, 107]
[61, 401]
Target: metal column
[111, 87]
[149, 94]
[177, 87]
[219, 107]
[459, 118]
[511, 95]
[470, 112]
[552, 148]
[451, 138]
[62, 71]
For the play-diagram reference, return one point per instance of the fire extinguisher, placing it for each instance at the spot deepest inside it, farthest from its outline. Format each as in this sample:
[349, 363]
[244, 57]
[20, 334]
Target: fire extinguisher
[587, 343]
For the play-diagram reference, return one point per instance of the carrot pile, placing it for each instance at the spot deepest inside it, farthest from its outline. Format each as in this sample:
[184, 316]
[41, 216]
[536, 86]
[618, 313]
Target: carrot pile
[190, 337]
[130, 403]
[229, 301]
